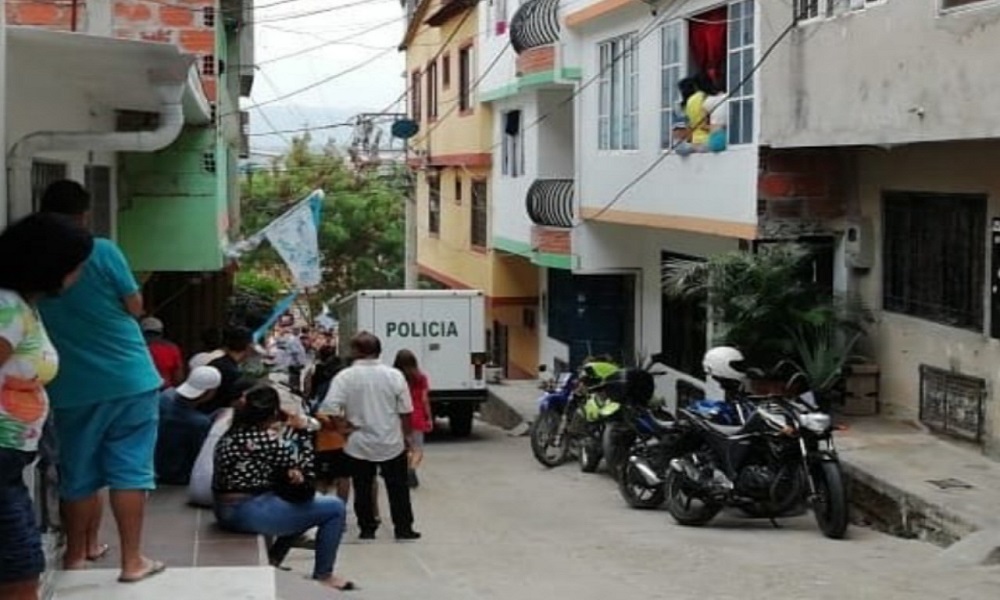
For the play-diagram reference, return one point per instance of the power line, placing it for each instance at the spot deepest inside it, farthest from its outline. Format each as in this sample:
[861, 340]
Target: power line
[704, 120]
[330, 43]
[318, 11]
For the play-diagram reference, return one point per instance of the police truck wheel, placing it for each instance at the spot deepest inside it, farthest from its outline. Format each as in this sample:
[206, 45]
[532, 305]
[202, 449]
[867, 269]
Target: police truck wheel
[460, 420]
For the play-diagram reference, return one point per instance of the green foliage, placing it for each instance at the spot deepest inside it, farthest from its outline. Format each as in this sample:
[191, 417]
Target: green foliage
[260, 283]
[361, 237]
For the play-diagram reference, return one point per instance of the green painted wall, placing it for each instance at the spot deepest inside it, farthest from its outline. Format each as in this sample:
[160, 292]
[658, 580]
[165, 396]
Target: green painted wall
[168, 217]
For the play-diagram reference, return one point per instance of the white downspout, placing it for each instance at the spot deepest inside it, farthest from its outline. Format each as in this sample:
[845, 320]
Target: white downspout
[33, 144]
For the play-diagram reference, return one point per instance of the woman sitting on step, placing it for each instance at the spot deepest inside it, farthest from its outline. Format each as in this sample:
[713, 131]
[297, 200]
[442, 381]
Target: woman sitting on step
[263, 485]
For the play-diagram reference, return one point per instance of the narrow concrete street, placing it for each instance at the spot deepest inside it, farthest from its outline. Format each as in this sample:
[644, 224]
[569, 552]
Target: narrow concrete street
[498, 525]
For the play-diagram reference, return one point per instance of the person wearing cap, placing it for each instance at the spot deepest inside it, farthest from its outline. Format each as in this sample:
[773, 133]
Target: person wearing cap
[183, 428]
[166, 355]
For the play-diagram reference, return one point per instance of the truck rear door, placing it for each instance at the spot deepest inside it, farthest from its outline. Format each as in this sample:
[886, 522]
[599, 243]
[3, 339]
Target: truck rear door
[447, 323]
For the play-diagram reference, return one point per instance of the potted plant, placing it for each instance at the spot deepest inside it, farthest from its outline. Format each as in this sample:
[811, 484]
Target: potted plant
[752, 297]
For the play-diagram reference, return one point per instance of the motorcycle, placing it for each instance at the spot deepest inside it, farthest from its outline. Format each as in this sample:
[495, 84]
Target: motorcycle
[783, 454]
[656, 443]
[572, 416]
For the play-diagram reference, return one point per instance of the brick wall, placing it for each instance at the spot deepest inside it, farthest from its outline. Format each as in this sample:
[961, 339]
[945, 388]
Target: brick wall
[551, 240]
[48, 14]
[179, 22]
[801, 184]
[536, 60]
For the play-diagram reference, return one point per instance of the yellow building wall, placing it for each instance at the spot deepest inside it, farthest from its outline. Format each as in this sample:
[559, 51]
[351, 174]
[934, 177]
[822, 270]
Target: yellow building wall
[458, 145]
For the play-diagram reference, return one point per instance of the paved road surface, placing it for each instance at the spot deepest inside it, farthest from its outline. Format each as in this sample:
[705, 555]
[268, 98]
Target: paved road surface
[499, 526]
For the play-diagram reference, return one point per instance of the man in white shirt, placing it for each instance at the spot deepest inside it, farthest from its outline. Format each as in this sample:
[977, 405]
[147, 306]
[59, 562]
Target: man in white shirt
[374, 401]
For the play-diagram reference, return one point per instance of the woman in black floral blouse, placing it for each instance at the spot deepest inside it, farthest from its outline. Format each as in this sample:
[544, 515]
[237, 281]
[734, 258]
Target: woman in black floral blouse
[250, 461]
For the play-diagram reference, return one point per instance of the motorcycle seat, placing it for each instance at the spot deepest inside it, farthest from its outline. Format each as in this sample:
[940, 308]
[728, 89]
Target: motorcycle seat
[725, 429]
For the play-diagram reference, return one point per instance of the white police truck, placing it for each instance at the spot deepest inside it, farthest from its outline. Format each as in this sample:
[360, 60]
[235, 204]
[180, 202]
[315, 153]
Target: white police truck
[446, 330]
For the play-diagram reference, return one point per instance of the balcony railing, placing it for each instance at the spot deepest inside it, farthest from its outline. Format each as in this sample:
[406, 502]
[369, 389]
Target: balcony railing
[550, 202]
[536, 23]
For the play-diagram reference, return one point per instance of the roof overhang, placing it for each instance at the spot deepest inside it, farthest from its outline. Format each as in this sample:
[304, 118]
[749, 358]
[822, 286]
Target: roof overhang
[448, 10]
[120, 74]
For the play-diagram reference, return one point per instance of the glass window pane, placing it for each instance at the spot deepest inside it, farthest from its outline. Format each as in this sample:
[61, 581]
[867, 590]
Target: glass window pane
[747, 68]
[748, 22]
[747, 135]
[735, 11]
[735, 32]
[734, 122]
[733, 80]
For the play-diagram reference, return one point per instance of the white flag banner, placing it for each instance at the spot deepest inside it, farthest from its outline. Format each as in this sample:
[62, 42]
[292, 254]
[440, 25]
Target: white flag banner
[294, 236]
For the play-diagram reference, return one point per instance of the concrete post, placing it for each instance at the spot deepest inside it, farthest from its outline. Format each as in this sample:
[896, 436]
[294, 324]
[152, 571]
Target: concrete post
[410, 252]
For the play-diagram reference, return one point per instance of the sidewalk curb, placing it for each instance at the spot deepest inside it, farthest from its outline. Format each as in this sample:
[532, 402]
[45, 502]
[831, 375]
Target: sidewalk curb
[889, 508]
[496, 411]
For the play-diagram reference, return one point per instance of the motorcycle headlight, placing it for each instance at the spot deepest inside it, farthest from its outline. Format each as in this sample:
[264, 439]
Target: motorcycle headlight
[816, 422]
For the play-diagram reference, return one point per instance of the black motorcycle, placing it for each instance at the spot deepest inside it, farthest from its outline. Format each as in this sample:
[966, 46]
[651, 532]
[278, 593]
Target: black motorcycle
[782, 455]
[641, 477]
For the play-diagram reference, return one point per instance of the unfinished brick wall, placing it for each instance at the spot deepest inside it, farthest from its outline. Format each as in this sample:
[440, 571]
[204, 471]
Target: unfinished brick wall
[802, 184]
[48, 14]
[551, 240]
[536, 60]
[180, 22]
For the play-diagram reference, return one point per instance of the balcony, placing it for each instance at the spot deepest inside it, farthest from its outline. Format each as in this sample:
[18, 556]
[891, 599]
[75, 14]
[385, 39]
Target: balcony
[550, 202]
[535, 24]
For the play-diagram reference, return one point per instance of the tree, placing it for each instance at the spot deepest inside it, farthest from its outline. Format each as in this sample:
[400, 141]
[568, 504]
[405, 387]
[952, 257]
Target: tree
[361, 234]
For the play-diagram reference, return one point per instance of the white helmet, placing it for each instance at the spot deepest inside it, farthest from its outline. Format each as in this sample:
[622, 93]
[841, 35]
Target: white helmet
[724, 363]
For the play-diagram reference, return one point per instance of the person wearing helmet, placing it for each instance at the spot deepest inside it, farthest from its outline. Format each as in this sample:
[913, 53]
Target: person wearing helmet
[727, 366]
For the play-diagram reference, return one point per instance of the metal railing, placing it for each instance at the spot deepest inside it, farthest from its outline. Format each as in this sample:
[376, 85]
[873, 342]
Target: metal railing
[536, 23]
[550, 202]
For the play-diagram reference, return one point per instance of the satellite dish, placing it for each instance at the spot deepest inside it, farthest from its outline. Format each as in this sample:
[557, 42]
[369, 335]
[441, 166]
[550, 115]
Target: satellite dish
[404, 129]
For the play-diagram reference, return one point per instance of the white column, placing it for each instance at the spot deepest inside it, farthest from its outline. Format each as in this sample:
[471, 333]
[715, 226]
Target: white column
[3, 114]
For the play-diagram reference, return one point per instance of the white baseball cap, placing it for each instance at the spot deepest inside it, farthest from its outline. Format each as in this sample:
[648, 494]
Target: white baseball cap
[201, 380]
[151, 324]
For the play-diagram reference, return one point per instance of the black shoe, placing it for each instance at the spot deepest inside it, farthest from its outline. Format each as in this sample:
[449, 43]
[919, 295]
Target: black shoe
[367, 535]
[407, 535]
[411, 479]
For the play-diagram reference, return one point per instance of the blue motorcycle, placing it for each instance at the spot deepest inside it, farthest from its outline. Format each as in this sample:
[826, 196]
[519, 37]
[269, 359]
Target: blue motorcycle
[549, 439]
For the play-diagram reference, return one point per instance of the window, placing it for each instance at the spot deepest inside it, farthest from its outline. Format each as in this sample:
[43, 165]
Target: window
[446, 71]
[434, 204]
[44, 173]
[208, 16]
[458, 188]
[480, 212]
[208, 64]
[465, 79]
[512, 150]
[807, 9]
[934, 257]
[415, 96]
[741, 66]
[947, 4]
[618, 103]
[671, 72]
[98, 182]
[432, 91]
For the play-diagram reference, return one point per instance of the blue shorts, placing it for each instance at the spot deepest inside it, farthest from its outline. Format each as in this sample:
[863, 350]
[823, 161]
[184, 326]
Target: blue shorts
[107, 444]
[21, 556]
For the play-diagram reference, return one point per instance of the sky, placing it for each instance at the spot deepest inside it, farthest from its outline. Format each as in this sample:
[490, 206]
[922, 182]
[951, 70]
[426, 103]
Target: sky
[295, 53]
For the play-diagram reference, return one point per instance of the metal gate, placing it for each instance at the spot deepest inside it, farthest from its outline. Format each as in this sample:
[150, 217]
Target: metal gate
[952, 403]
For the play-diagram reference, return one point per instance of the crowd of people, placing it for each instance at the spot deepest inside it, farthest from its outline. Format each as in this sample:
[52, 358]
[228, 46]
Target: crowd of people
[84, 366]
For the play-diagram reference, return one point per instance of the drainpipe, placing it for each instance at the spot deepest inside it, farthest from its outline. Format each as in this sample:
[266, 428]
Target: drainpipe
[21, 154]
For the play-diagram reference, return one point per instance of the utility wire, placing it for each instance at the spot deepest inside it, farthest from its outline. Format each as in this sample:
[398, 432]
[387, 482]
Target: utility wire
[330, 43]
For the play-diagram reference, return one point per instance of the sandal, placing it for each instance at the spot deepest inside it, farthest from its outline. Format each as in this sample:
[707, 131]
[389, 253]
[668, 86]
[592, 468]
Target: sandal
[102, 551]
[154, 567]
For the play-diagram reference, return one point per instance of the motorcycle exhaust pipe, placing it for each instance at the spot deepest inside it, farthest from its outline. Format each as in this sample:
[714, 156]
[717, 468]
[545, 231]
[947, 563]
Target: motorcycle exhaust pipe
[646, 471]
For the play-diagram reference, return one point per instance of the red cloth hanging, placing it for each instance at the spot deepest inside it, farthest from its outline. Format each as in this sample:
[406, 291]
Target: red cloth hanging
[707, 38]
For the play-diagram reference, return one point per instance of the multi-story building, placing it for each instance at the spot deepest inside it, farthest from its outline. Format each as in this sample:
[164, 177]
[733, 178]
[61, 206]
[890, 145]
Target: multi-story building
[877, 163]
[452, 158]
[139, 100]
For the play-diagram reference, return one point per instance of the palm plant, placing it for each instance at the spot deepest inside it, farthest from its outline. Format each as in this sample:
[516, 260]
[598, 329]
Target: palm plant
[753, 297]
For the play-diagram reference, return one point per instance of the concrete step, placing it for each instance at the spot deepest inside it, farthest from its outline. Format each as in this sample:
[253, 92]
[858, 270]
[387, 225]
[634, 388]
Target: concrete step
[190, 583]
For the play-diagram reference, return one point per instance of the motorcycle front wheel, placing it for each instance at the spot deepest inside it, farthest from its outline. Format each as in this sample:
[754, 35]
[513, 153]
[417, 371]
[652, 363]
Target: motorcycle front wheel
[686, 509]
[543, 433]
[636, 492]
[830, 504]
